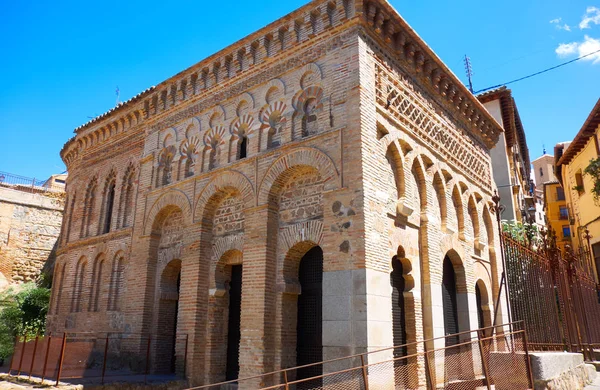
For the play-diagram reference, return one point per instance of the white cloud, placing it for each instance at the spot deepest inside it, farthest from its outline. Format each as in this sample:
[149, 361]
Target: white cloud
[587, 46]
[560, 25]
[592, 15]
[565, 49]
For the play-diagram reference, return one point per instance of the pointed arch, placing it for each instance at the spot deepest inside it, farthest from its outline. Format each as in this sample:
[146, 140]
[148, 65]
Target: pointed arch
[458, 207]
[474, 216]
[126, 201]
[440, 192]
[97, 282]
[108, 203]
[88, 207]
[419, 176]
[395, 158]
[79, 282]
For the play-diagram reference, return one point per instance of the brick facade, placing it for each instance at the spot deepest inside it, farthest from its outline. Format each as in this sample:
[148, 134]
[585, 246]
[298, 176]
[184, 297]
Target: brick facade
[336, 127]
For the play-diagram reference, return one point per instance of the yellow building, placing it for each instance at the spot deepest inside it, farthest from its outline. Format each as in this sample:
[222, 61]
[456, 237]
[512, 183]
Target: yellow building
[570, 171]
[557, 214]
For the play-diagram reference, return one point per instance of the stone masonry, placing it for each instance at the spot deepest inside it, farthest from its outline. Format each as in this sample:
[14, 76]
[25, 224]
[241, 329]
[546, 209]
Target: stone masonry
[336, 128]
[29, 229]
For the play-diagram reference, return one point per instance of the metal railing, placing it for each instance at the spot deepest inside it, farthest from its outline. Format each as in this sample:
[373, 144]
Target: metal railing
[27, 184]
[95, 356]
[479, 358]
[554, 294]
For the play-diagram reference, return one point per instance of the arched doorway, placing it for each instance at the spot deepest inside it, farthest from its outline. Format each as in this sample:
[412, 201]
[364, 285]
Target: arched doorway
[168, 309]
[309, 328]
[449, 301]
[398, 310]
[484, 315]
[233, 324]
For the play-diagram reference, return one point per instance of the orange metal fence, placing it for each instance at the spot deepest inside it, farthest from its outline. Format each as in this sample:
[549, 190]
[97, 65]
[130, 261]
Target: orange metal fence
[87, 355]
[480, 358]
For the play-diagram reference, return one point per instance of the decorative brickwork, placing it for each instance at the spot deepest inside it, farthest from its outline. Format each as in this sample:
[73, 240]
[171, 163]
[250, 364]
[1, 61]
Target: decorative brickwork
[320, 134]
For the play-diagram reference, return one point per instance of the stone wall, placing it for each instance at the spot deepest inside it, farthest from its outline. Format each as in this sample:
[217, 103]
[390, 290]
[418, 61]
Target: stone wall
[30, 225]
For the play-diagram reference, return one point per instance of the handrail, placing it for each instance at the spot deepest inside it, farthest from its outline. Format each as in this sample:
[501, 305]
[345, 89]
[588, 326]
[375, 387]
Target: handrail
[363, 354]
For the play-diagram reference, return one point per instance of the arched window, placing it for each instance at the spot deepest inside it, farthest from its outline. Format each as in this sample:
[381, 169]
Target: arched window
[97, 283]
[108, 207]
[126, 201]
[116, 284]
[59, 288]
[88, 208]
[398, 310]
[70, 219]
[78, 286]
[541, 172]
[242, 147]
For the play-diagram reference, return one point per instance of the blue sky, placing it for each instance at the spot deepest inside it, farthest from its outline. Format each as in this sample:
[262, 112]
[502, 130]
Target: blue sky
[62, 60]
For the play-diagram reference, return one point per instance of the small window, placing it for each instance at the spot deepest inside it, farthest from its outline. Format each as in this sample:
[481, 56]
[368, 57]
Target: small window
[564, 212]
[560, 193]
[541, 172]
[579, 181]
[243, 147]
[566, 231]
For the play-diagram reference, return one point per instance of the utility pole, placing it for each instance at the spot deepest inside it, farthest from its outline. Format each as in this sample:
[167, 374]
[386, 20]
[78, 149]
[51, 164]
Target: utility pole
[469, 70]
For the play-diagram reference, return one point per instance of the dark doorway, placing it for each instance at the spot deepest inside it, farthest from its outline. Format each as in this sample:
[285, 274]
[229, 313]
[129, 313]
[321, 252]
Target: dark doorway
[233, 327]
[174, 343]
[243, 147]
[309, 331]
[449, 302]
[480, 320]
[398, 310]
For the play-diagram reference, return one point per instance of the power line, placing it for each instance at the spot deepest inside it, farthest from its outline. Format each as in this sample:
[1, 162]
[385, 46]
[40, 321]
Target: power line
[540, 72]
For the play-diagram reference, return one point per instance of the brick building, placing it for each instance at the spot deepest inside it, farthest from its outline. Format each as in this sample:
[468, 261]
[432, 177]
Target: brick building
[325, 179]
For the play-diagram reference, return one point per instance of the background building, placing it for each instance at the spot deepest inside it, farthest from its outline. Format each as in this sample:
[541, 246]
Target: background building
[320, 188]
[510, 157]
[30, 220]
[543, 172]
[557, 213]
[570, 171]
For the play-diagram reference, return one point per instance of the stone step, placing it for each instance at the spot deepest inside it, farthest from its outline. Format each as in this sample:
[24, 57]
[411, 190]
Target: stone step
[596, 364]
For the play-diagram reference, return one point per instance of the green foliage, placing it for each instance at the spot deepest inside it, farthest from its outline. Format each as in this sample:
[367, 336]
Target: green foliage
[22, 312]
[594, 171]
[524, 233]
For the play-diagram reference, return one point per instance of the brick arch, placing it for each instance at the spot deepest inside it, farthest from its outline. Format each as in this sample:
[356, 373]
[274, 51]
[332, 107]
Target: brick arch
[309, 157]
[226, 244]
[228, 179]
[174, 199]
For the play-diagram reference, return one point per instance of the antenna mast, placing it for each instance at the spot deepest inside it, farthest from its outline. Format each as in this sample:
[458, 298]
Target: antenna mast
[469, 70]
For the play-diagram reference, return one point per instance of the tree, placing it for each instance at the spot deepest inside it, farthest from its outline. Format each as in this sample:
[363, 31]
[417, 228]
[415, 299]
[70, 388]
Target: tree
[22, 313]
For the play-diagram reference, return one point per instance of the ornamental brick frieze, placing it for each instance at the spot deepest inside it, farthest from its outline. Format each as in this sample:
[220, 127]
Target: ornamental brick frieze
[397, 97]
[233, 91]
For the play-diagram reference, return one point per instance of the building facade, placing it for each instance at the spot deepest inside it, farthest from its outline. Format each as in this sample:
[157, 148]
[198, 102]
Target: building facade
[557, 213]
[510, 157]
[585, 207]
[320, 188]
[543, 172]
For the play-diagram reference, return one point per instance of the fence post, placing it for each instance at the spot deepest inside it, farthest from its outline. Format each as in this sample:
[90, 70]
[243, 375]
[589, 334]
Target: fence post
[147, 359]
[483, 361]
[285, 380]
[13, 355]
[24, 341]
[528, 362]
[34, 352]
[104, 360]
[62, 356]
[46, 358]
[428, 374]
[364, 372]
